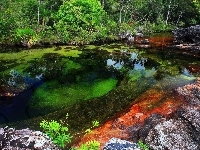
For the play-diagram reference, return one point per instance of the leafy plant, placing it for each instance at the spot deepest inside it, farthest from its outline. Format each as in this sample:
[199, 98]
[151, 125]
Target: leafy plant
[142, 145]
[25, 33]
[88, 130]
[57, 132]
[94, 124]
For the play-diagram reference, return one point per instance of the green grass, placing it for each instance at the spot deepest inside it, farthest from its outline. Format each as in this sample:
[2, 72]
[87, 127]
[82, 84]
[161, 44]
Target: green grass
[53, 95]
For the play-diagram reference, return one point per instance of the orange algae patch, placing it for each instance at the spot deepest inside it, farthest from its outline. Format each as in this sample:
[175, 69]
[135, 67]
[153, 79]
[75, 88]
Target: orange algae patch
[160, 41]
[156, 41]
[152, 101]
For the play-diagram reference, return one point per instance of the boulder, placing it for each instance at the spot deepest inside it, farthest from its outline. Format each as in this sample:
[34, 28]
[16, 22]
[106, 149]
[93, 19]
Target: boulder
[25, 139]
[140, 131]
[191, 92]
[187, 35]
[172, 134]
[192, 115]
[130, 38]
[118, 144]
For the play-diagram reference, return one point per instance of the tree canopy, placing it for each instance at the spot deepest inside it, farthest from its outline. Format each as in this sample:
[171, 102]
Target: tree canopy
[84, 21]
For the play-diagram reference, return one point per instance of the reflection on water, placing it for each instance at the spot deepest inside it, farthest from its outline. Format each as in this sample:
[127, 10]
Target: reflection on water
[139, 65]
[119, 62]
[115, 64]
[187, 73]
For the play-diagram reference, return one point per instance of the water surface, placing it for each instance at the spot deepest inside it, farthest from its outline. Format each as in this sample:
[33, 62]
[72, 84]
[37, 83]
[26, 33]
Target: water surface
[88, 83]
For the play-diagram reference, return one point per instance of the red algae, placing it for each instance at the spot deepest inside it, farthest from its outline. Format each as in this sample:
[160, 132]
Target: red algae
[160, 41]
[152, 101]
[155, 41]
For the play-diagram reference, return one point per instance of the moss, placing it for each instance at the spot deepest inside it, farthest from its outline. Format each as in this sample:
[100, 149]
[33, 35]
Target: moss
[54, 96]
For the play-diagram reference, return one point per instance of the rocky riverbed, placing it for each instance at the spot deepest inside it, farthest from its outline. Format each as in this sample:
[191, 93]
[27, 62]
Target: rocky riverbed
[172, 125]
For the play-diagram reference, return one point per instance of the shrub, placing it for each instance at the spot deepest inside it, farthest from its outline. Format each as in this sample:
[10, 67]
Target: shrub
[57, 132]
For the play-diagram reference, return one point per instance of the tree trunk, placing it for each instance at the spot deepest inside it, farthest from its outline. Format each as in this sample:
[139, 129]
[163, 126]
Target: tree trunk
[102, 3]
[168, 12]
[38, 12]
[120, 11]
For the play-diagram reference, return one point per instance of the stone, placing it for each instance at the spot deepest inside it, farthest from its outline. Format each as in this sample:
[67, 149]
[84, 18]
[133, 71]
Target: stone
[192, 115]
[25, 139]
[191, 92]
[118, 144]
[187, 35]
[140, 131]
[171, 134]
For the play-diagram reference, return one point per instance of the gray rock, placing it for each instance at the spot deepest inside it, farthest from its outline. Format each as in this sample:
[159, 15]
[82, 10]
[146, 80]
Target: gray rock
[191, 92]
[192, 115]
[187, 35]
[140, 131]
[118, 144]
[25, 139]
[171, 134]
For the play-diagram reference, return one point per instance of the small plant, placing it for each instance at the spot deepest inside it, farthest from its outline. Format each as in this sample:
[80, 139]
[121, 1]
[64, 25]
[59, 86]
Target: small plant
[142, 145]
[57, 132]
[94, 124]
[88, 130]
[91, 145]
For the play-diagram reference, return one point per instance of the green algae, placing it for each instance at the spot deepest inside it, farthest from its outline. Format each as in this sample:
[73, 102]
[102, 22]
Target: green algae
[53, 96]
[135, 75]
[23, 57]
[100, 108]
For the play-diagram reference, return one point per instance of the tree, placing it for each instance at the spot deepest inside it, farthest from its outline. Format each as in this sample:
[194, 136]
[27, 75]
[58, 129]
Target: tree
[83, 18]
[7, 22]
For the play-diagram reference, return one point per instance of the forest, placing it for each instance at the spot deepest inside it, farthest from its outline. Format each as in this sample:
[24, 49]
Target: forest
[30, 22]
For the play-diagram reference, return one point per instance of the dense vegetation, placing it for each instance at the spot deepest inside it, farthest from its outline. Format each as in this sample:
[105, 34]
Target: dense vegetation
[30, 22]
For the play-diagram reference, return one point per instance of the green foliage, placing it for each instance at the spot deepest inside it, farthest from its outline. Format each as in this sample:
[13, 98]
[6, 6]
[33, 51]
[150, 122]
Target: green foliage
[91, 145]
[57, 132]
[7, 25]
[161, 26]
[142, 145]
[123, 27]
[85, 21]
[25, 34]
[29, 13]
[81, 21]
[48, 35]
[94, 124]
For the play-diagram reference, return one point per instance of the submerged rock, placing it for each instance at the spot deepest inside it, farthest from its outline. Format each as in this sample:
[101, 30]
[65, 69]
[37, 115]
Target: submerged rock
[25, 139]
